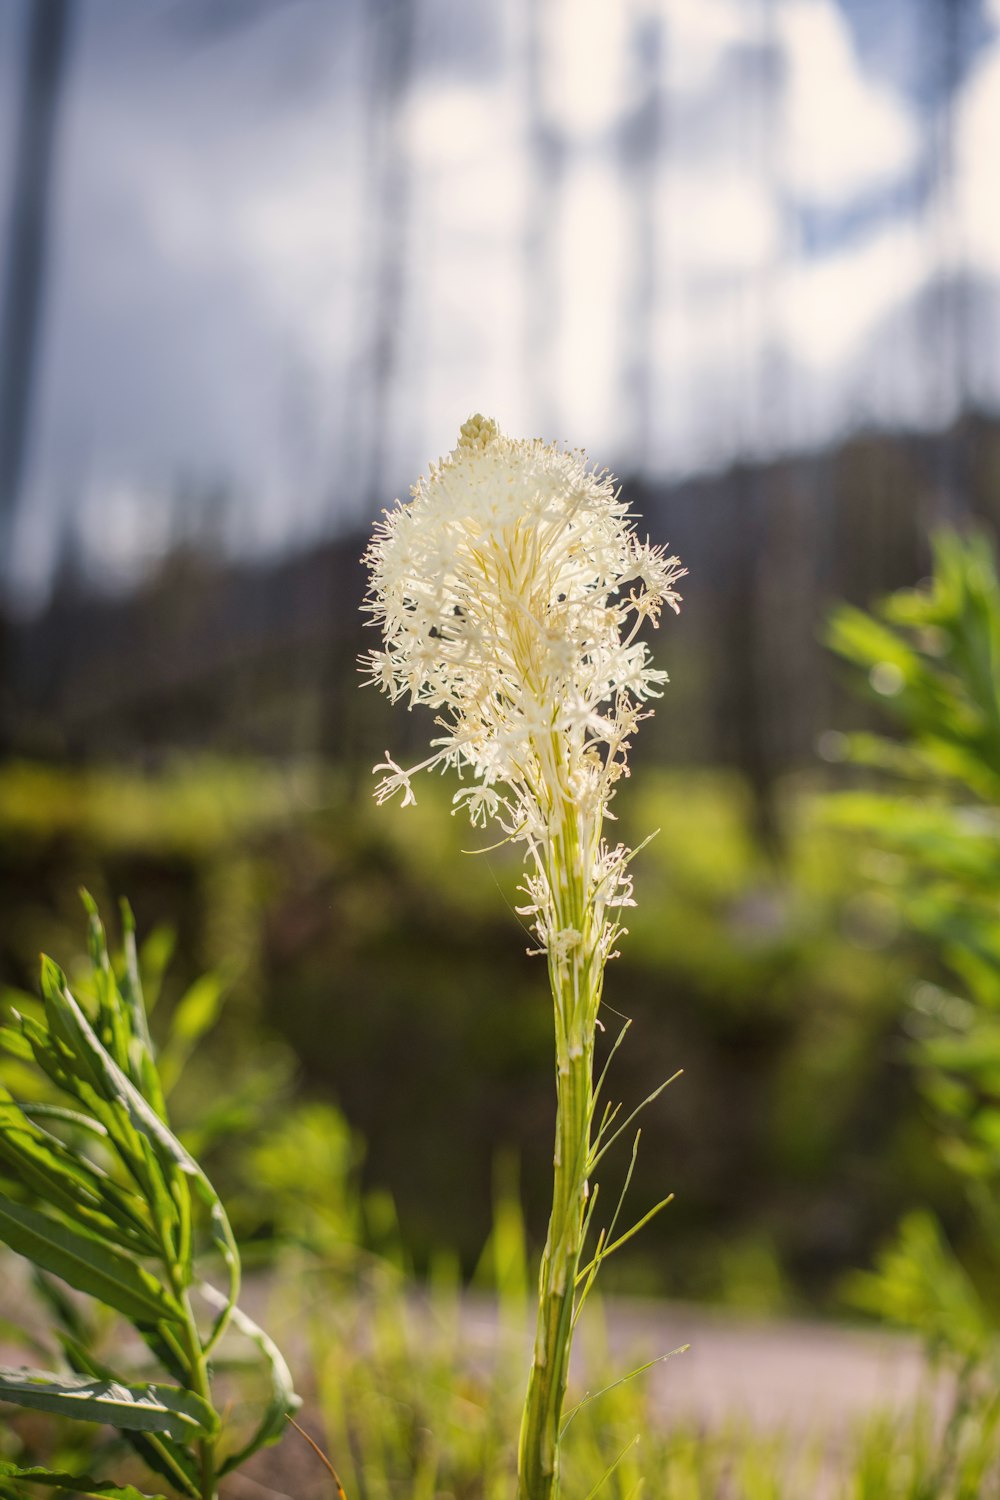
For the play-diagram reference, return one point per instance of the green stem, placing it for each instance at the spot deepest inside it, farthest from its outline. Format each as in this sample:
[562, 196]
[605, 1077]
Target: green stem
[197, 1363]
[538, 1458]
[575, 980]
[198, 1367]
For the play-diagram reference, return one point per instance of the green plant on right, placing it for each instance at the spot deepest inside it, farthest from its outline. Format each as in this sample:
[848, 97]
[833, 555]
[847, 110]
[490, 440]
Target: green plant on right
[931, 657]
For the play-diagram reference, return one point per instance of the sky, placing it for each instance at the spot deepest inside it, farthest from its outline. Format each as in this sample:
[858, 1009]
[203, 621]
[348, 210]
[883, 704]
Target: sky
[669, 231]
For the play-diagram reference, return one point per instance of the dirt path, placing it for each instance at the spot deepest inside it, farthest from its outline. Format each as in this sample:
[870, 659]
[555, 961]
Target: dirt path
[773, 1374]
[798, 1376]
[776, 1375]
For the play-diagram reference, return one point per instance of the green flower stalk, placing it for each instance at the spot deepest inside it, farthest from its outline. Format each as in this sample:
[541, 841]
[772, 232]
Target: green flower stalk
[510, 591]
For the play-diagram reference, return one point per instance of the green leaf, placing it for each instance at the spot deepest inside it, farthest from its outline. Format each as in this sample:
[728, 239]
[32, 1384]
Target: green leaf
[112, 1017]
[168, 1459]
[159, 1451]
[14, 1044]
[163, 1342]
[85, 1263]
[156, 953]
[67, 1181]
[77, 1484]
[142, 1408]
[283, 1400]
[51, 1059]
[66, 1116]
[163, 1207]
[130, 988]
[196, 1013]
[119, 1092]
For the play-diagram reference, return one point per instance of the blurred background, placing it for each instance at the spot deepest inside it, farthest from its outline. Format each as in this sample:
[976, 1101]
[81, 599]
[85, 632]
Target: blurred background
[262, 258]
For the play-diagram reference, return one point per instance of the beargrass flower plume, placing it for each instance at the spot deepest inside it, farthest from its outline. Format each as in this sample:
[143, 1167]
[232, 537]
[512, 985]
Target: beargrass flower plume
[511, 590]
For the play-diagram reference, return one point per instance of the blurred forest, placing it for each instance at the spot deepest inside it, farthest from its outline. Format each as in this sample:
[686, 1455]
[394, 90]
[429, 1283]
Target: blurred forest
[203, 744]
[180, 713]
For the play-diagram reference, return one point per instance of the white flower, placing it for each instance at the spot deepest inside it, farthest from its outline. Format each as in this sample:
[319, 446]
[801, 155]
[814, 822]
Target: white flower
[502, 590]
[510, 591]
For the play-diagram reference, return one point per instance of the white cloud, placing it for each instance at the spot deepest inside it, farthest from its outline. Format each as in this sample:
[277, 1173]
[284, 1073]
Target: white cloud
[977, 155]
[699, 34]
[584, 46]
[591, 261]
[717, 223]
[844, 131]
[449, 123]
[829, 306]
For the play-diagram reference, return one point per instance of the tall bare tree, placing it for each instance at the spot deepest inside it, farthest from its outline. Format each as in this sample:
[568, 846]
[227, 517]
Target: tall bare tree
[641, 147]
[546, 164]
[23, 292]
[947, 325]
[392, 32]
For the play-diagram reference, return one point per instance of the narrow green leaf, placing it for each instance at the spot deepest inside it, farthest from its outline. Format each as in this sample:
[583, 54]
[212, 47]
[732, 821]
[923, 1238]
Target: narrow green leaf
[77, 1484]
[66, 1116]
[605, 1146]
[196, 1013]
[157, 951]
[609, 1249]
[622, 1380]
[130, 987]
[96, 943]
[85, 1263]
[164, 1343]
[51, 1059]
[283, 1400]
[168, 1459]
[14, 1044]
[122, 1095]
[162, 1205]
[66, 1181]
[162, 1453]
[95, 1079]
[142, 1408]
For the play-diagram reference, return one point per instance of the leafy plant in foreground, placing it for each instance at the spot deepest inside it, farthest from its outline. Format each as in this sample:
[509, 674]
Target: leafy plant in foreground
[100, 1196]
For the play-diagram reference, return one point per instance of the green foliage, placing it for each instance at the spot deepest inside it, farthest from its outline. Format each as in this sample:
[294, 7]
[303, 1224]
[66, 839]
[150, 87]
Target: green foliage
[103, 1196]
[303, 1175]
[918, 1283]
[353, 942]
[933, 657]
